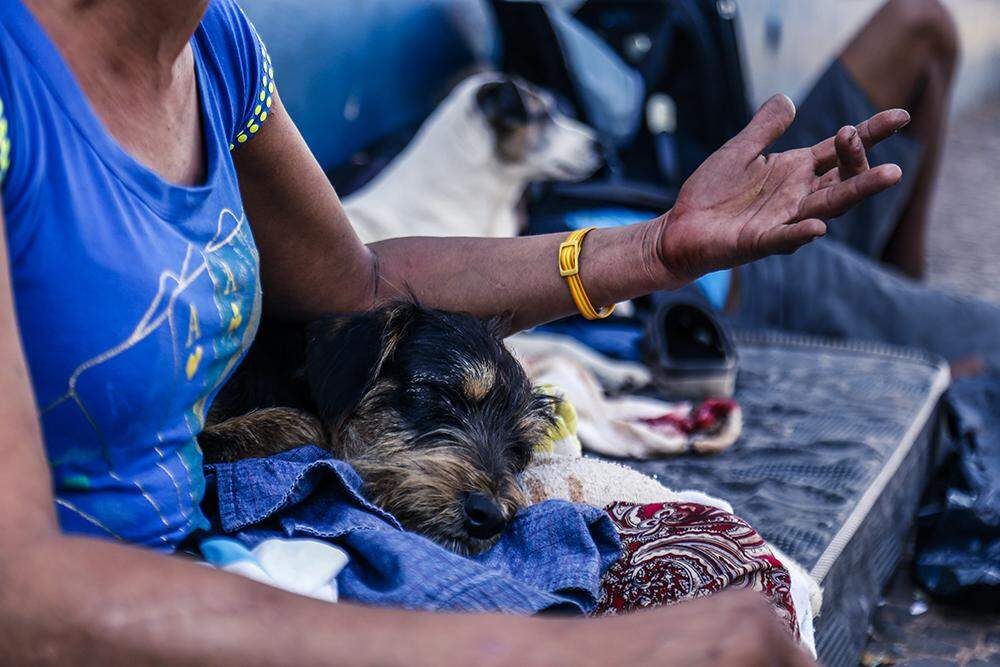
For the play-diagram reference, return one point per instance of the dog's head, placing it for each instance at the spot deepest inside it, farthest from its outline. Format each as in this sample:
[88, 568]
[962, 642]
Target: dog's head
[434, 413]
[531, 136]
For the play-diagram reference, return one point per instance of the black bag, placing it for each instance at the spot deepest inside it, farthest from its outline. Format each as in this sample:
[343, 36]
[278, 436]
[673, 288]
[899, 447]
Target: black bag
[687, 56]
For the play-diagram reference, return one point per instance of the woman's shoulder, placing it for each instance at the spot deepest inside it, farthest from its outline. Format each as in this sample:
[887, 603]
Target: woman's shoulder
[232, 41]
[226, 23]
[237, 58]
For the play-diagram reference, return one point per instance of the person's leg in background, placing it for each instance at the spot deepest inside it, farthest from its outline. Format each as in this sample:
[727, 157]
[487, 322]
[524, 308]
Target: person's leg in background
[828, 289]
[905, 56]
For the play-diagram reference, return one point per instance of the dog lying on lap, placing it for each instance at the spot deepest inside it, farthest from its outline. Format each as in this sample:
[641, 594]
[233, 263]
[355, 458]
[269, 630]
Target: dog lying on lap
[429, 407]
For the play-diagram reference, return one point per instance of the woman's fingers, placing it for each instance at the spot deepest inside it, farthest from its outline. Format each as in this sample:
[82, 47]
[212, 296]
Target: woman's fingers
[877, 128]
[883, 125]
[786, 239]
[836, 199]
[851, 157]
[769, 123]
[831, 177]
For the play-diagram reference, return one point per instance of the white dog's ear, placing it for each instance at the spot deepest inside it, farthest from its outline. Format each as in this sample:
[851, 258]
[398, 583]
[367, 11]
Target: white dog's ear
[502, 105]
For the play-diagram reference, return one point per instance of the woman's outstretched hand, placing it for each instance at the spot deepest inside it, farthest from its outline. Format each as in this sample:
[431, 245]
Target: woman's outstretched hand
[741, 205]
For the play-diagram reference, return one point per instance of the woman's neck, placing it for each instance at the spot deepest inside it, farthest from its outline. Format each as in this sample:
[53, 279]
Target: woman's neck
[133, 64]
[132, 39]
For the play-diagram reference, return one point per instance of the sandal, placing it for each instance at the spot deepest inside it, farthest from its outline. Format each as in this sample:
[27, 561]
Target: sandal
[690, 352]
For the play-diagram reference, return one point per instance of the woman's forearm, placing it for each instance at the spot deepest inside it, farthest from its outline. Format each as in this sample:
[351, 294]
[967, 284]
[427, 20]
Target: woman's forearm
[520, 276]
[69, 601]
[738, 206]
[81, 601]
[312, 262]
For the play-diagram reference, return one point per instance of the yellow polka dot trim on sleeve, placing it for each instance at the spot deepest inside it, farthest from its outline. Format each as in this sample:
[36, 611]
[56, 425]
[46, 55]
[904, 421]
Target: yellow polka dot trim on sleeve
[264, 98]
[4, 144]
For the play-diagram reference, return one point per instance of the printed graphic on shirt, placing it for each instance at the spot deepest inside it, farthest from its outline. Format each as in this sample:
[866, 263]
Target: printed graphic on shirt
[209, 307]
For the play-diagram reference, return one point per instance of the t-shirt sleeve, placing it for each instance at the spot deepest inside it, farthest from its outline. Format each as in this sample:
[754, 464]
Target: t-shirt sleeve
[6, 116]
[13, 172]
[4, 142]
[244, 66]
[18, 131]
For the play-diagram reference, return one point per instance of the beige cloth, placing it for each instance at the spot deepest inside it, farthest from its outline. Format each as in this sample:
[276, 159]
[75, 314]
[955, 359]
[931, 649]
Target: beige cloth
[613, 426]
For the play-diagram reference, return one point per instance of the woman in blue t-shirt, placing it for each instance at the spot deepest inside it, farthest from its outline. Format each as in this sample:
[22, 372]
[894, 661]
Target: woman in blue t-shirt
[148, 171]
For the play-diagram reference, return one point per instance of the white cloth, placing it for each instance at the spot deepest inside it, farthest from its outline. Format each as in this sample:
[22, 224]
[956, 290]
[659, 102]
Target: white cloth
[297, 565]
[613, 426]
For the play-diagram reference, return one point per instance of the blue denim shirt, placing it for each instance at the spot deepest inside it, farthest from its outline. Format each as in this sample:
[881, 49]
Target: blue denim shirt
[551, 558]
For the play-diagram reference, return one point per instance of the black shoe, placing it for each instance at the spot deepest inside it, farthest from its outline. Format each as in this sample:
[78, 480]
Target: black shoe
[690, 352]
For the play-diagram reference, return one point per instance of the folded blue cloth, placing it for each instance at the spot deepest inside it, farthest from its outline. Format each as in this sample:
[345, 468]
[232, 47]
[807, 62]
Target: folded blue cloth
[551, 558]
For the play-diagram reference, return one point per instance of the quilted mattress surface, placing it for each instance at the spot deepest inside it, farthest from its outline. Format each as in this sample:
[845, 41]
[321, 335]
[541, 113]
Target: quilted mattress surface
[837, 445]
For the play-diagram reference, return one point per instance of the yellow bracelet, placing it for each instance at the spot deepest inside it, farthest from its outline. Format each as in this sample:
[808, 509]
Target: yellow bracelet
[569, 268]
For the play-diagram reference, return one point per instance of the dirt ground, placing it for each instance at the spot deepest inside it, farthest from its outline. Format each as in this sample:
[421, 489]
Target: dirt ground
[963, 256]
[964, 239]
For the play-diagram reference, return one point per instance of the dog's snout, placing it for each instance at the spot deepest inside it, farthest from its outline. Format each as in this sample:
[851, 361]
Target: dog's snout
[483, 517]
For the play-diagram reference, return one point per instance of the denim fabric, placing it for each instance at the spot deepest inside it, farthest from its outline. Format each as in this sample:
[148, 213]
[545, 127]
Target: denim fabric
[551, 558]
[828, 289]
[959, 544]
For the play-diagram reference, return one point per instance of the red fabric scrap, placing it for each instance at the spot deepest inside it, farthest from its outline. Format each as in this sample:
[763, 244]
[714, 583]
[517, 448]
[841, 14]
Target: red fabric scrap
[680, 551]
[709, 416]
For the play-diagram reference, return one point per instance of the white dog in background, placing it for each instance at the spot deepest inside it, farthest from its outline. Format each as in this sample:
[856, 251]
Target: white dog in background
[466, 170]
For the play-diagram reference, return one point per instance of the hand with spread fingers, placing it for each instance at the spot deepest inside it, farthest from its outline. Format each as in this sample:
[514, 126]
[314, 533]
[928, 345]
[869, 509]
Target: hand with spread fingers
[742, 204]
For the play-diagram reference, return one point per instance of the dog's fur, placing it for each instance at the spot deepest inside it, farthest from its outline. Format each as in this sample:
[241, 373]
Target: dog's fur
[467, 168]
[429, 407]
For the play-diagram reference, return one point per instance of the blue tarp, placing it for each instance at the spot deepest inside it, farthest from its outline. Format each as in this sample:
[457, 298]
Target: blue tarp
[958, 553]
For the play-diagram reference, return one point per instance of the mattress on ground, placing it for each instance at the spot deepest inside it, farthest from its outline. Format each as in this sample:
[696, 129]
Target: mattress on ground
[837, 446]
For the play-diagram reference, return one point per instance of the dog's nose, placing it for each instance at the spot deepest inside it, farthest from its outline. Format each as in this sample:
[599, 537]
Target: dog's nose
[483, 517]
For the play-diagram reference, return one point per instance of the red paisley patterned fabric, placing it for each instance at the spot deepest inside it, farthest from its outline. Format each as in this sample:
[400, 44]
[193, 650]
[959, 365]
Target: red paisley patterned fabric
[680, 551]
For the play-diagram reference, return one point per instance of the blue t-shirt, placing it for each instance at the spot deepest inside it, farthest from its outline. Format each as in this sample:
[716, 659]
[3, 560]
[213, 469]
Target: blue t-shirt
[135, 297]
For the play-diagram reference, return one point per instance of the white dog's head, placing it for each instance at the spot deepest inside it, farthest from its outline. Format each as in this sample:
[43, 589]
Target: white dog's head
[530, 136]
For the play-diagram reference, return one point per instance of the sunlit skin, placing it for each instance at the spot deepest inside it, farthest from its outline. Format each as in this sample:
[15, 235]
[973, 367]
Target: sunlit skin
[66, 600]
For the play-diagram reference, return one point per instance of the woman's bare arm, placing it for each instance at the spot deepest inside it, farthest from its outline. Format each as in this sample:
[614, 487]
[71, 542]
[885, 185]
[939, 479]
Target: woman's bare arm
[739, 206]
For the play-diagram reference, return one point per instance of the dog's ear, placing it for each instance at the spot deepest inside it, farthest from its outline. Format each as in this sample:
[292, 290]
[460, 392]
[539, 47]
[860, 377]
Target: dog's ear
[346, 354]
[502, 105]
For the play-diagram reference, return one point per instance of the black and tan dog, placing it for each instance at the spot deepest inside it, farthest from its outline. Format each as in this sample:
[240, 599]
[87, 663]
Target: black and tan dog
[430, 408]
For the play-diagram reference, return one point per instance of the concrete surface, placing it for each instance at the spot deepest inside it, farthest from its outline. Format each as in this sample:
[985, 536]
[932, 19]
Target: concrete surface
[964, 237]
[905, 635]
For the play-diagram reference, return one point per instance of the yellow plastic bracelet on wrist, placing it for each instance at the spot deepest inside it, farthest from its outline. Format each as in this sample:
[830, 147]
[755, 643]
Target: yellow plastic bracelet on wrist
[569, 268]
